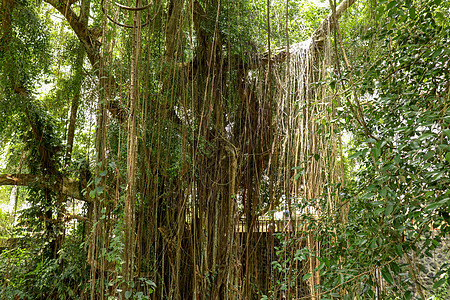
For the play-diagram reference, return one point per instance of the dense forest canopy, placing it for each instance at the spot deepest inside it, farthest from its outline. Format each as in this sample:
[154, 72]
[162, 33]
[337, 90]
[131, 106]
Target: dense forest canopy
[224, 149]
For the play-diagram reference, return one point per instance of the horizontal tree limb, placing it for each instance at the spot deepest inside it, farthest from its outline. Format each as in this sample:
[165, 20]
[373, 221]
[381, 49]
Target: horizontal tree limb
[68, 218]
[68, 187]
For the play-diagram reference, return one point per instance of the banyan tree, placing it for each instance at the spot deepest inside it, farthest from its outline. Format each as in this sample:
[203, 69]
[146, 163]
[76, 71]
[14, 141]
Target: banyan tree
[183, 127]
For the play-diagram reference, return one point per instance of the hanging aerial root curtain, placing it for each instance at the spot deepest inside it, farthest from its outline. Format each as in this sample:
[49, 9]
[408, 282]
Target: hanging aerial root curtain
[222, 130]
[309, 147]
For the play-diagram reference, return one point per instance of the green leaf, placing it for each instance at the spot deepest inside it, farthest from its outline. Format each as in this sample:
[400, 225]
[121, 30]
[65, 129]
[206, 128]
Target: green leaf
[150, 283]
[444, 147]
[428, 194]
[447, 132]
[306, 276]
[355, 155]
[368, 195]
[407, 295]
[377, 203]
[447, 157]
[391, 23]
[298, 168]
[99, 190]
[438, 283]
[388, 210]
[298, 175]
[92, 194]
[387, 275]
[378, 211]
[436, 53]
[421, 267]
[377, 150]
[333, 84]
[435, 205]
[128, 294]
[395, 268]
[370, 141]
[425, 136]
[373, 244]
[321, 266]
[391, 5]
[412, 12]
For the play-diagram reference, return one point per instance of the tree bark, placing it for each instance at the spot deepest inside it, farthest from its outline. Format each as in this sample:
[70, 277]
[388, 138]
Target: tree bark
[84, 16]
[318, 38]
[129, 217]
[69, 187]
[89, 38]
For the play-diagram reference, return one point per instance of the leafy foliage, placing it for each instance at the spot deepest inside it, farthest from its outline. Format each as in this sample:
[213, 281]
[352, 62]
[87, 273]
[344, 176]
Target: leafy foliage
[399, 193]
[27, 274]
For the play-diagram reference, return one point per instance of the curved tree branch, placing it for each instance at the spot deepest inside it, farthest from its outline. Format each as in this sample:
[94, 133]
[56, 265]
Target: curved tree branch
[126, 8]
[83, 33]
[318, 39]
[133, 8]
[89, 38]
[328, 24]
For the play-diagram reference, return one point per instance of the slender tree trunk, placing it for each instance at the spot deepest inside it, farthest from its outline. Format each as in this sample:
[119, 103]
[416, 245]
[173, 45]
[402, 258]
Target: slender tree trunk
[75, 102]
[129, 218]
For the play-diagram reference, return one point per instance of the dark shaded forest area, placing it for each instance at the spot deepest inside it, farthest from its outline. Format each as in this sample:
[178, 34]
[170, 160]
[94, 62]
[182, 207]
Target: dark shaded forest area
[224, 149]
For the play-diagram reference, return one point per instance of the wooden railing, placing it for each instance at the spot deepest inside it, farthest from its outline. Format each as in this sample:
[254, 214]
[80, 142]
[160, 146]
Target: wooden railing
[273, 226]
